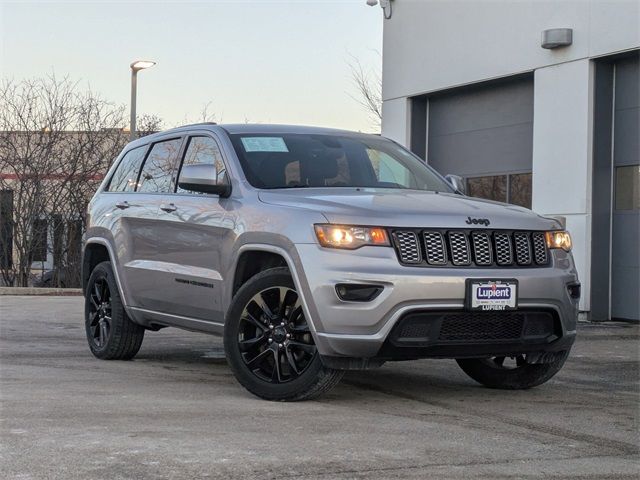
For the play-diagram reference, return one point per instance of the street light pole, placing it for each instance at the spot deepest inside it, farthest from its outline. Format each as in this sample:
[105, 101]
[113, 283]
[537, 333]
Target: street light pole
[135, 67]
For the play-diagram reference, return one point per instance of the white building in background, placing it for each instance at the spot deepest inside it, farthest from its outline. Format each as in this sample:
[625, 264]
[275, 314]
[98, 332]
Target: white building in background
[469, 86]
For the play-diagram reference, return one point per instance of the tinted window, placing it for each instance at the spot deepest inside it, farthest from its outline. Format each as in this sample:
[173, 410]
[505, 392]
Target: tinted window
[126, 174]
[159, 167]
[203, 150]
[312, 160]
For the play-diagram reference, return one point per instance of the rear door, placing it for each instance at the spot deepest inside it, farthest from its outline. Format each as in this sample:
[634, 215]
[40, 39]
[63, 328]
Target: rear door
[195, 229]
[137, 241]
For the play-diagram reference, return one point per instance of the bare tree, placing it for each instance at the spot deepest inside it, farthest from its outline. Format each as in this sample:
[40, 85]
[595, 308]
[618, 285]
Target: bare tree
[147, 124]
[368, 85]
[56, 143]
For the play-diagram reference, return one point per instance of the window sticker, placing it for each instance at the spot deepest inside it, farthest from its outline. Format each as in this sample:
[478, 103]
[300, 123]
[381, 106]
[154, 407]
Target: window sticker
[264, 144]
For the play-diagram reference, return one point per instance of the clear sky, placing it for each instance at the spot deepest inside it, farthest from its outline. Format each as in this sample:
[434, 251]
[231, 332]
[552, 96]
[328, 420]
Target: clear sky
[263, 61]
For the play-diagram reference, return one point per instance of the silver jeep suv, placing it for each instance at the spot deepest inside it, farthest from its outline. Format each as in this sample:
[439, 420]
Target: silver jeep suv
[314, 251]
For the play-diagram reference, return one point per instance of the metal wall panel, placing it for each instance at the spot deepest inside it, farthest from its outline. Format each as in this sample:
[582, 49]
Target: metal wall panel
[482, 130]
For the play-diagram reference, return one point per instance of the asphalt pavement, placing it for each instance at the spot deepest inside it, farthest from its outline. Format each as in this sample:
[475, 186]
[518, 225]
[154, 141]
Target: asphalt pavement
[177, 412]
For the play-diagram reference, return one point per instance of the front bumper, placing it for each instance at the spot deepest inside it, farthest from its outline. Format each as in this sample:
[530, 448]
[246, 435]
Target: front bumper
[361, 329]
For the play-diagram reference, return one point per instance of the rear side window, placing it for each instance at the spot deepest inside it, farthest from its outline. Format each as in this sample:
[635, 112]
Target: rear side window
[158, 169]
[126, 174]
[203, 150]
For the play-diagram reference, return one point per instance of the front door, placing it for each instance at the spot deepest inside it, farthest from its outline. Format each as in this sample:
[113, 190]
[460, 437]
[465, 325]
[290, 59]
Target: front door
[138, 244]
[195, 229]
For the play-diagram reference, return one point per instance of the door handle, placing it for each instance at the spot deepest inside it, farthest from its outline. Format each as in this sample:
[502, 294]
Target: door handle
[123, 205]
[168, 208]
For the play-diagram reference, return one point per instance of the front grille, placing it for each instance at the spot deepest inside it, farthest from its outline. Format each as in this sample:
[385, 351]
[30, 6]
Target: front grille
[463, 326]
[471, 248]
[408, 247]
[471, 326]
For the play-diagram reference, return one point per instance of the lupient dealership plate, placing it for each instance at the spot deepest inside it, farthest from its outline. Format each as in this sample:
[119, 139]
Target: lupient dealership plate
[492, 294]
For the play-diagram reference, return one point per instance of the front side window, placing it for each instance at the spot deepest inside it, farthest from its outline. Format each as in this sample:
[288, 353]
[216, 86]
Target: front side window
[158, 169]
[321, 160]
[203, 150]
[126, 174]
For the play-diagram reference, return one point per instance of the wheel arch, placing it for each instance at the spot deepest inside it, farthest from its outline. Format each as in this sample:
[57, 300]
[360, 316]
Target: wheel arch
[271, 252]
[97, 250]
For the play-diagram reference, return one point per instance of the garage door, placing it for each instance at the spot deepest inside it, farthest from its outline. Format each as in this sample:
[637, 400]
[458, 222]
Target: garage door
[485, 134]
[625, 252]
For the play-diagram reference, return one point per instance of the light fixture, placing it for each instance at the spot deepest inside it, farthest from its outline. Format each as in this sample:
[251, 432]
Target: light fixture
[135, 68]
[142, 64]
[384, 4]
[558, 239]
[350, 237]
[557, 37]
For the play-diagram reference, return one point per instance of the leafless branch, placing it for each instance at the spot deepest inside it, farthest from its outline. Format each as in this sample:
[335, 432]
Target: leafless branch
[368, 85]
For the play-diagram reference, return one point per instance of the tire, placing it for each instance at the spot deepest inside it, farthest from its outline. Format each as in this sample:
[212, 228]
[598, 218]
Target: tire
[268, 344]
[493, 373]
[110, 332]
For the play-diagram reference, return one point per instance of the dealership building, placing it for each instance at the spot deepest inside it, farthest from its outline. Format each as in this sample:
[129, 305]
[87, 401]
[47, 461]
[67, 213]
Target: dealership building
[533, 103]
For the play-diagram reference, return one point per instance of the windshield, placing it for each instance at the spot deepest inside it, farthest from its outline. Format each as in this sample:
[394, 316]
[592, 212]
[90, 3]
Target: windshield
[319, 160]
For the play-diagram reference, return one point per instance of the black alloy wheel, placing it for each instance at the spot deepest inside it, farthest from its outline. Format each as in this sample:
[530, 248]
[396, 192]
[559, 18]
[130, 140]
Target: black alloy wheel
[111, 334]
[100, 313]
[274, 337]
[269, 342]
[512, 372]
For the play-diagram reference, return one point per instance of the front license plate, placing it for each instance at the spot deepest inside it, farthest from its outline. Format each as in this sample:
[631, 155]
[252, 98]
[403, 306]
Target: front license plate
[492, 294]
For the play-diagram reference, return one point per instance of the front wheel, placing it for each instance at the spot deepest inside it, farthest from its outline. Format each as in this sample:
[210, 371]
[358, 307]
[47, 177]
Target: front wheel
[511, 373]
[268, 342]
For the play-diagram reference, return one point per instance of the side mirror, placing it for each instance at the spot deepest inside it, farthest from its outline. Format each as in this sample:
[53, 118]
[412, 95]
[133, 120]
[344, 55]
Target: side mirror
[204, 178]
[456, 182]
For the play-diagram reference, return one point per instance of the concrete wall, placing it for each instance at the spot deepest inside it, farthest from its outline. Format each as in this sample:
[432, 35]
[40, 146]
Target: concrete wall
[431, 45]
[437, 45]
[562, 140]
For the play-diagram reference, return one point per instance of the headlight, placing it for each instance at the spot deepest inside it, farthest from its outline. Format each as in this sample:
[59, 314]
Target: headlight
[559, 239]
[350, 237]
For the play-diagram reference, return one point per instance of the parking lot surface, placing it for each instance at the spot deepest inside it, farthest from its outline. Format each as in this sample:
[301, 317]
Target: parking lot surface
[177, 412]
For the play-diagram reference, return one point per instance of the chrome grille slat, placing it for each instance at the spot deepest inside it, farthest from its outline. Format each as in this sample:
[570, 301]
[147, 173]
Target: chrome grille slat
[523, 248]
[504, 252]
[471, 248]
[408, 246]
[435, 248]
[482, 250]
[540, 248]
[459, 245]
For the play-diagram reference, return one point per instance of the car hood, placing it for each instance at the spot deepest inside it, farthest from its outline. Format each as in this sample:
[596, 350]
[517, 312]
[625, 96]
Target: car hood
[382, 207]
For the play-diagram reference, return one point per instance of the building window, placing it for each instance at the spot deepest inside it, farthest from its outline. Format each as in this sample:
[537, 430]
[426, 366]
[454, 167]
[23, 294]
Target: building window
[520, 189]
[6, 229]
[39, 241]
[627, 195]
[491, 188]
[513, 188]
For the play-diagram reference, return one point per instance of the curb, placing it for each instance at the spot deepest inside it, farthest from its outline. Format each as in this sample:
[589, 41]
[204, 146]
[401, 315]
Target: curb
[57, 292]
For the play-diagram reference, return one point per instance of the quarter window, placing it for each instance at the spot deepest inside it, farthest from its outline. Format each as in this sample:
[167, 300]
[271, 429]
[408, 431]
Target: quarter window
[158, 169]
[203, 150]
[126, 174]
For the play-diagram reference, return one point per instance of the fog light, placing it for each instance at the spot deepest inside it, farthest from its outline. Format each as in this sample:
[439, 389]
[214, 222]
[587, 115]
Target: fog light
[574, 290]
[357, 293]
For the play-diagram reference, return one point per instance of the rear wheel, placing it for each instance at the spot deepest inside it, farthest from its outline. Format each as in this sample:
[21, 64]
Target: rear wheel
[511, 372]
[110, 332]
[268, 342]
